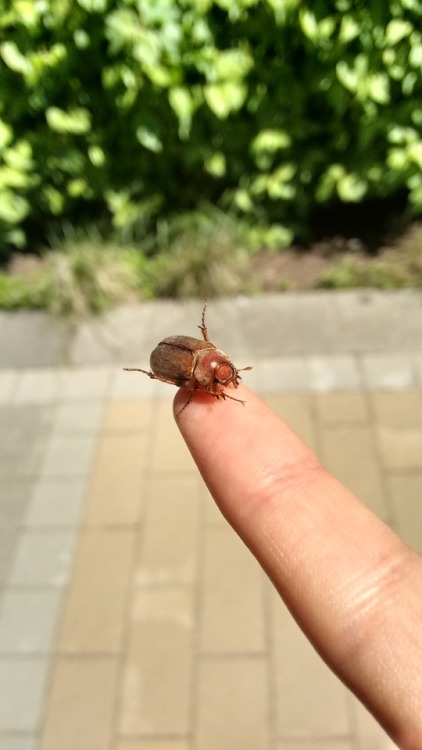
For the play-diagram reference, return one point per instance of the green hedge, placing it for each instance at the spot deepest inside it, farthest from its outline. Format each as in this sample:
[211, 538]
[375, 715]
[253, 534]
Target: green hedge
[122, 111]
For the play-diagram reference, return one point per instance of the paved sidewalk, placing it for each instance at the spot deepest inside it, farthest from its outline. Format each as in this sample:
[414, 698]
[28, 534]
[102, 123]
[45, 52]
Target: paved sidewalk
[131, 616]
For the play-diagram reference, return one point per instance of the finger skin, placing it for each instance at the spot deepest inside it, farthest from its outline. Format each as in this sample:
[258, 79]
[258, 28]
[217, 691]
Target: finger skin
[353, 586]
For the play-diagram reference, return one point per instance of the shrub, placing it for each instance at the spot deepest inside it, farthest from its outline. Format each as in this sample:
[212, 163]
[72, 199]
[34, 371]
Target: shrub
[123, 111]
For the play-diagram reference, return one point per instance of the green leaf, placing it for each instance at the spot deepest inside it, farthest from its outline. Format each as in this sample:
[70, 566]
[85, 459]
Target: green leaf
[233, 64]
[183, 105]
[149, 140]
[271, 140]
[379, 88]
[397, 30]
[349, 29]
[14, 59]
[54, 199]
[216, 164]
[351, 188]
[347, 77]
[96, 156]
[308, 24]
[19, 157]
[77, 121]
[6, 134]
[78, 188]
[415, 153]
[93, 6]
[415, 54]
[225, 98]
[13, 208]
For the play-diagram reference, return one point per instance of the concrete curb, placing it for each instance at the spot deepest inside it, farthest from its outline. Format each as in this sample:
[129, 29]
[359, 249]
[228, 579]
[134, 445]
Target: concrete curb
[248, 328]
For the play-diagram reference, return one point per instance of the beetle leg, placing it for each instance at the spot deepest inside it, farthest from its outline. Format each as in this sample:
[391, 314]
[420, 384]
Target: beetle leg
[137, 369]
[150, 375]
[191, 395]
[203, 327]
[224, 395]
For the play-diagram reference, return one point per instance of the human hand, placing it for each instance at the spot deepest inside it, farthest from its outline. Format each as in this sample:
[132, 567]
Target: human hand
[353, 586]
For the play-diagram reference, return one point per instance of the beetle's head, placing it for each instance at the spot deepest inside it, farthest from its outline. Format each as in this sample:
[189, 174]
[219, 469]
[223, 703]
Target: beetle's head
[225, 373]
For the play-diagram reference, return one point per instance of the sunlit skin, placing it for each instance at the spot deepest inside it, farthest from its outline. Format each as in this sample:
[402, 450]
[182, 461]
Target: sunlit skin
[353, 586]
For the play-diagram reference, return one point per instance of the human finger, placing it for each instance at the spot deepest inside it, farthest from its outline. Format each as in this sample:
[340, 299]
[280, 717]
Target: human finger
[353, 586]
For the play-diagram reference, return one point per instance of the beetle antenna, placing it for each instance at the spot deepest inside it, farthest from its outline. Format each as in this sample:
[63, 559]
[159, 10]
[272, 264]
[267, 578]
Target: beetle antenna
[203, 326]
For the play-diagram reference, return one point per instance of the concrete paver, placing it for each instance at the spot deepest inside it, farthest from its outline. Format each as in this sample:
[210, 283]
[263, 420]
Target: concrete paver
[131, 616]
[156, 686]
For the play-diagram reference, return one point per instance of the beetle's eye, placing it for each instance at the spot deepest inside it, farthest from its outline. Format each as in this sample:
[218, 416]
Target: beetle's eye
[224, 373]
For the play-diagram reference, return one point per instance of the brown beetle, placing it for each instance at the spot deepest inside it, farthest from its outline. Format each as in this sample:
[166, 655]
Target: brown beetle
[193, 364]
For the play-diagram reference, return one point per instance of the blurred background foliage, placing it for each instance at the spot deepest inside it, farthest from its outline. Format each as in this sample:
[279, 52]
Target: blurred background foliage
[129, 114]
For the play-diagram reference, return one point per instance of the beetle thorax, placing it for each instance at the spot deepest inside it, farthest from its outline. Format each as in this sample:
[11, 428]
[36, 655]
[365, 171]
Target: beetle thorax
[212, 369]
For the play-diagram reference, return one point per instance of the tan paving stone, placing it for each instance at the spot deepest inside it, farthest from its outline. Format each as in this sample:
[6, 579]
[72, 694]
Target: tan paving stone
[154, 745]
[232, 704]
[128, 415]
[406, 502]
[335, 408]
[156, 686]
[116, 488]
[169, 454]
[93, 619]
[367, 732]
[213, 515]
[349, 452]
[402, 409]
[400, 448]
[296, 411]
[325, 743]
[80, 707]
[308, 701]
[232, 599]
[170, 537]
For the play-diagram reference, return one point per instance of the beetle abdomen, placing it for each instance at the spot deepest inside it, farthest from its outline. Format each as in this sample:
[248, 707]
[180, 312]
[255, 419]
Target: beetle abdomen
[173, 358]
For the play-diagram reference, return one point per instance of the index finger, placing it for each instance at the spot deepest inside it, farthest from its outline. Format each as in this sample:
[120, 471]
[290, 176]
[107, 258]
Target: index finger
[353, 586]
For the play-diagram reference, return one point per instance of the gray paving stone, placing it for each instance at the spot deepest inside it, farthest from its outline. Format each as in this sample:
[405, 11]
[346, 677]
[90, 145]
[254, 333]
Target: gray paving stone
[68, 455]
[137, 385]
[36, 386]
[8, 380]
[42, 559]
[248, 328]
[55, 503]
[28, 621]
[14, 498]
[16, 742]
[121, 334]
[417, 364]
[390, 370]
[374, 320]
[333, 372]
[30, 339]
[79, 383]
[24, 431]
[79, 416]
[274, 325]
[22, 686]
[283, 374]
